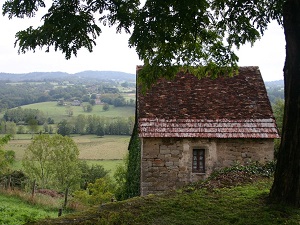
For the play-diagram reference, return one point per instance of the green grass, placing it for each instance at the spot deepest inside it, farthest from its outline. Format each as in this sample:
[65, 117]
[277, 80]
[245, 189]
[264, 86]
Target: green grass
[108, 151]
[58, 113]
[13, 210]
[91, 147]
[243, 205]
[110, 165]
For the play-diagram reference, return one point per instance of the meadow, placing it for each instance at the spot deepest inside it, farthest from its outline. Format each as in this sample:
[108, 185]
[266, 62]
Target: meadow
[14, 210]
[58, 113]
[108, 151]
[20, 208]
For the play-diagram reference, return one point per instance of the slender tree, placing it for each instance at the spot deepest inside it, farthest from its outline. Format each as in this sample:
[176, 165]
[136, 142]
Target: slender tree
[6, 157]
[37, 160]
[194, 35]
[53, 162]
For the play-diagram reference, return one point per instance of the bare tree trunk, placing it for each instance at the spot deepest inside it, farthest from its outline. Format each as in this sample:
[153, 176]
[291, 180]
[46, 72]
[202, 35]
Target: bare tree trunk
[33, 189]
[9, 183]
[286, 186]
[66, 197]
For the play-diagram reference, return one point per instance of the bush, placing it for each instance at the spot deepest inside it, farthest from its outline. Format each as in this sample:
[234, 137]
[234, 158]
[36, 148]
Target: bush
[16, 179]
[97, 193]
[90, 174]
[120, 177]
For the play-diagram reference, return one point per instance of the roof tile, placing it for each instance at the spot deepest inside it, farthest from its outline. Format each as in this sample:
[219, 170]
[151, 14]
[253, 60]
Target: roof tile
[225, 107]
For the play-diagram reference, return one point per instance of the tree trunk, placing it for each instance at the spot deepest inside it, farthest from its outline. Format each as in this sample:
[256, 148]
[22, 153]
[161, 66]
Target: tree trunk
[66, 197]
[286, 186]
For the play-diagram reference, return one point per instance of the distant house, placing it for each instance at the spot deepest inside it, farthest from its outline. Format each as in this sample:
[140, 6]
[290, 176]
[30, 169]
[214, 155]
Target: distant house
[190, 127]
[98, 99]
[76, 103]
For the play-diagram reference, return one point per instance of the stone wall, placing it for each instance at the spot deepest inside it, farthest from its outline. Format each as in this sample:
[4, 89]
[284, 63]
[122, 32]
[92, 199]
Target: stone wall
[231, 151]
[166, 163]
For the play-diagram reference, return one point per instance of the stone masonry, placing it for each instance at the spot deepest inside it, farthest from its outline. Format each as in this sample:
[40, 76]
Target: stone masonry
[167, 162]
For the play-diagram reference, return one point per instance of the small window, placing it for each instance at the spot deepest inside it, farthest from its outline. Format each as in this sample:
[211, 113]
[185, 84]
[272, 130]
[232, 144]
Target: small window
[199, 160]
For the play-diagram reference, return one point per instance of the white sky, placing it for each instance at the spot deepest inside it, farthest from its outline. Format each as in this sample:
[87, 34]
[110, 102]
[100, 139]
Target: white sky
[112, 53]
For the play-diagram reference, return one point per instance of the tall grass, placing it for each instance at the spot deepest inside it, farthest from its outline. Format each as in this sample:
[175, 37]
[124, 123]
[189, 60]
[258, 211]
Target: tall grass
[241, 205]
[14, 210]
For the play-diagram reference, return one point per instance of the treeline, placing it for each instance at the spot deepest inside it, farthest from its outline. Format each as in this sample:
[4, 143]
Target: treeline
[117, 100]
[18, 94]
[275, 90]
[275, 93]
[24, 116]
[14, 95]
[81, 124]
[97, 125]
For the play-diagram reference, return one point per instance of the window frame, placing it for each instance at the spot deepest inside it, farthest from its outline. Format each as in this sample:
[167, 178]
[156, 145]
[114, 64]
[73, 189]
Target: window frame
[200, 160]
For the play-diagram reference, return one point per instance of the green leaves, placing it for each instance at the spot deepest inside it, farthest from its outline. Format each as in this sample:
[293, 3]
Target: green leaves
[52, 161]
[169, 35]
[21, 8]
[174, 35]
[6, 157]
[69, 25]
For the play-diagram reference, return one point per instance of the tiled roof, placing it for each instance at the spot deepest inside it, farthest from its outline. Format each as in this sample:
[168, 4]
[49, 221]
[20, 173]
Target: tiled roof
[226, 107]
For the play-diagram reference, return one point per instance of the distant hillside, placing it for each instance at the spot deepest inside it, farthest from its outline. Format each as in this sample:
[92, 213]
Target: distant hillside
[93, 75]
[275, 90]
[275, 83]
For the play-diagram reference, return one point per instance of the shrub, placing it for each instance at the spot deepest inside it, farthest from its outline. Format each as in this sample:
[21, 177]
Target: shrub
[90, 174]
[97, 193]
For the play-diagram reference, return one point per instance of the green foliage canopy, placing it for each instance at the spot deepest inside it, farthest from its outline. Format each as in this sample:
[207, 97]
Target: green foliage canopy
[168, 35]
[6, 157]
[52, 161]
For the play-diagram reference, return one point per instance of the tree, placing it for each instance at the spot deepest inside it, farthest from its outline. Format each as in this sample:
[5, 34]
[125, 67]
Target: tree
[6, 157]
[89, 108]
[69, 111]
[46, 127]
[66, 164]
[53, 162]
[92, 102]
[89, 174]
[278, 109]
[99, 192]
[119, 101]
[100, 130]
[196, 35]
[64, 128]
[11, 128]
[80, 123]
[105, 107]
[37, 162]
[33, 126]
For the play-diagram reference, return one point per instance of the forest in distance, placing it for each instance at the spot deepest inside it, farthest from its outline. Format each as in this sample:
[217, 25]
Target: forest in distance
[58, 76]
[80, 102]
[28, 88]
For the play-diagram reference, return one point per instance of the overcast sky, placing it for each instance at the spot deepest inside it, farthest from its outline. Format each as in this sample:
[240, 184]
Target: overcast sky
[112, 53]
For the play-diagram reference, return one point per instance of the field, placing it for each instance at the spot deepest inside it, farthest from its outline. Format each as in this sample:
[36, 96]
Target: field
[107, 151]
[58, 113]
[15, 211]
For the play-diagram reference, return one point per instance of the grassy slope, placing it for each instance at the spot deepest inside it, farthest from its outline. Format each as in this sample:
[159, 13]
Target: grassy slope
[58, 113]
[16, 211]
[239, 205]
